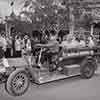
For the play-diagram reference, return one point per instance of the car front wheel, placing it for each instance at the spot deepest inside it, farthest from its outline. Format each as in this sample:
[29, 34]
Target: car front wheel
[17, 83]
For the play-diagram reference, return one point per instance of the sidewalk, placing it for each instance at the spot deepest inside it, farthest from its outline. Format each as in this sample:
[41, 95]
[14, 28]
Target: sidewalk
[98, 69]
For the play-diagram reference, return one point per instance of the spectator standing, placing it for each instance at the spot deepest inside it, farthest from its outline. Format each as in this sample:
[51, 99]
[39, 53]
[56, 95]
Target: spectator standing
[13, 54]
[4, 42]
[18, 46]
[3, 45]
[9, 47]
[26, 45]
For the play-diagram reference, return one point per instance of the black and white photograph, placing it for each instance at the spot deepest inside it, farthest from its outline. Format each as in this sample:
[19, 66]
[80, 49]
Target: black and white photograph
[49, 49]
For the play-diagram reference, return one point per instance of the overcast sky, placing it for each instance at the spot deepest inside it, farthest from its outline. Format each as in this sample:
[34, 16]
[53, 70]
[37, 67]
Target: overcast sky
[5, 8]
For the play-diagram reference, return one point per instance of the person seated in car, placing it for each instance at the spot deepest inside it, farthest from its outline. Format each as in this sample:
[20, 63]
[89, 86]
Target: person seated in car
[53, 49]
[75, 42]
[70, 42]
[66, 41]
[52, 42]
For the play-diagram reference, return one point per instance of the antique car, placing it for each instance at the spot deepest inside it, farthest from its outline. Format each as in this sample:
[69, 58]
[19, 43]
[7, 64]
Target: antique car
[72, 62]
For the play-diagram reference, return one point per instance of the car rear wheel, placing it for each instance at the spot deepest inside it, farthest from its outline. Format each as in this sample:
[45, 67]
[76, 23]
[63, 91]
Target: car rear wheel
[88, 70]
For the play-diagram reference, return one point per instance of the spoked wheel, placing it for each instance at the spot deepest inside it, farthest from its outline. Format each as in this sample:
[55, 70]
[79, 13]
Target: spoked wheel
[17, 83]
[88, 70]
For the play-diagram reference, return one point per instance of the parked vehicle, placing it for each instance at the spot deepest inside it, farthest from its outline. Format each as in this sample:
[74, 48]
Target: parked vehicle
[64, 64]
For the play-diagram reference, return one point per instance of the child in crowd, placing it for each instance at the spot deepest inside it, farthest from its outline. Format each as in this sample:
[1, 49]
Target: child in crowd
[82, 43]
[90, 42]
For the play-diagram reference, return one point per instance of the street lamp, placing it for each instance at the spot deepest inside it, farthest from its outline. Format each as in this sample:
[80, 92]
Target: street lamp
[7, 18]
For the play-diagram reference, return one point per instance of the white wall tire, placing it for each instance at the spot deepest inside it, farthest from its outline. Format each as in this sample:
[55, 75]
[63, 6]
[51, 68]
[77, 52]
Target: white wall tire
[17, 83]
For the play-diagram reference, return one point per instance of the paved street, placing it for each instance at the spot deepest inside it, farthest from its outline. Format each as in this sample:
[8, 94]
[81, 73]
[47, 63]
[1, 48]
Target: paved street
[69, 89]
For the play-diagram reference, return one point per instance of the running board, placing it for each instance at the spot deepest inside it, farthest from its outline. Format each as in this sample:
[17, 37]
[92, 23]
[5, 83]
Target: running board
[69, 71]
[55, 78]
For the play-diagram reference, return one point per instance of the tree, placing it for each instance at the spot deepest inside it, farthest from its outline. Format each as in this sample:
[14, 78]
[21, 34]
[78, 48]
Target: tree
[46, 14]
[82, 17]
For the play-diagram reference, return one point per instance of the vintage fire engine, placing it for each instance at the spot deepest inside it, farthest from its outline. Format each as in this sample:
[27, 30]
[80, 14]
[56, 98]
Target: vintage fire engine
[72, 62]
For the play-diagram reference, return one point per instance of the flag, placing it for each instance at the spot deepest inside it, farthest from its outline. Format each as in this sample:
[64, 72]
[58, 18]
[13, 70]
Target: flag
[12, 3]
[27, 3]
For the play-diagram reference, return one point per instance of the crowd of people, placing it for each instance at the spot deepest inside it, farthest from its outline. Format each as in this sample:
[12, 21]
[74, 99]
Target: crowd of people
[14, 47]
[18, 45]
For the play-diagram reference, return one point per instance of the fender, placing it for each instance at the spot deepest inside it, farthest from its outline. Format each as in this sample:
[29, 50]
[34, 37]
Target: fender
[89, 59]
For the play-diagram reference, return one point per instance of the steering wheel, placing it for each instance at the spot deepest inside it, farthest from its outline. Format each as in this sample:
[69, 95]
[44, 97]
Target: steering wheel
[41, 46]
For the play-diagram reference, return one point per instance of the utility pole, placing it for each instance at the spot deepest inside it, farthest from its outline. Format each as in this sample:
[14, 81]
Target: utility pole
[71, 20]
[71, 17]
